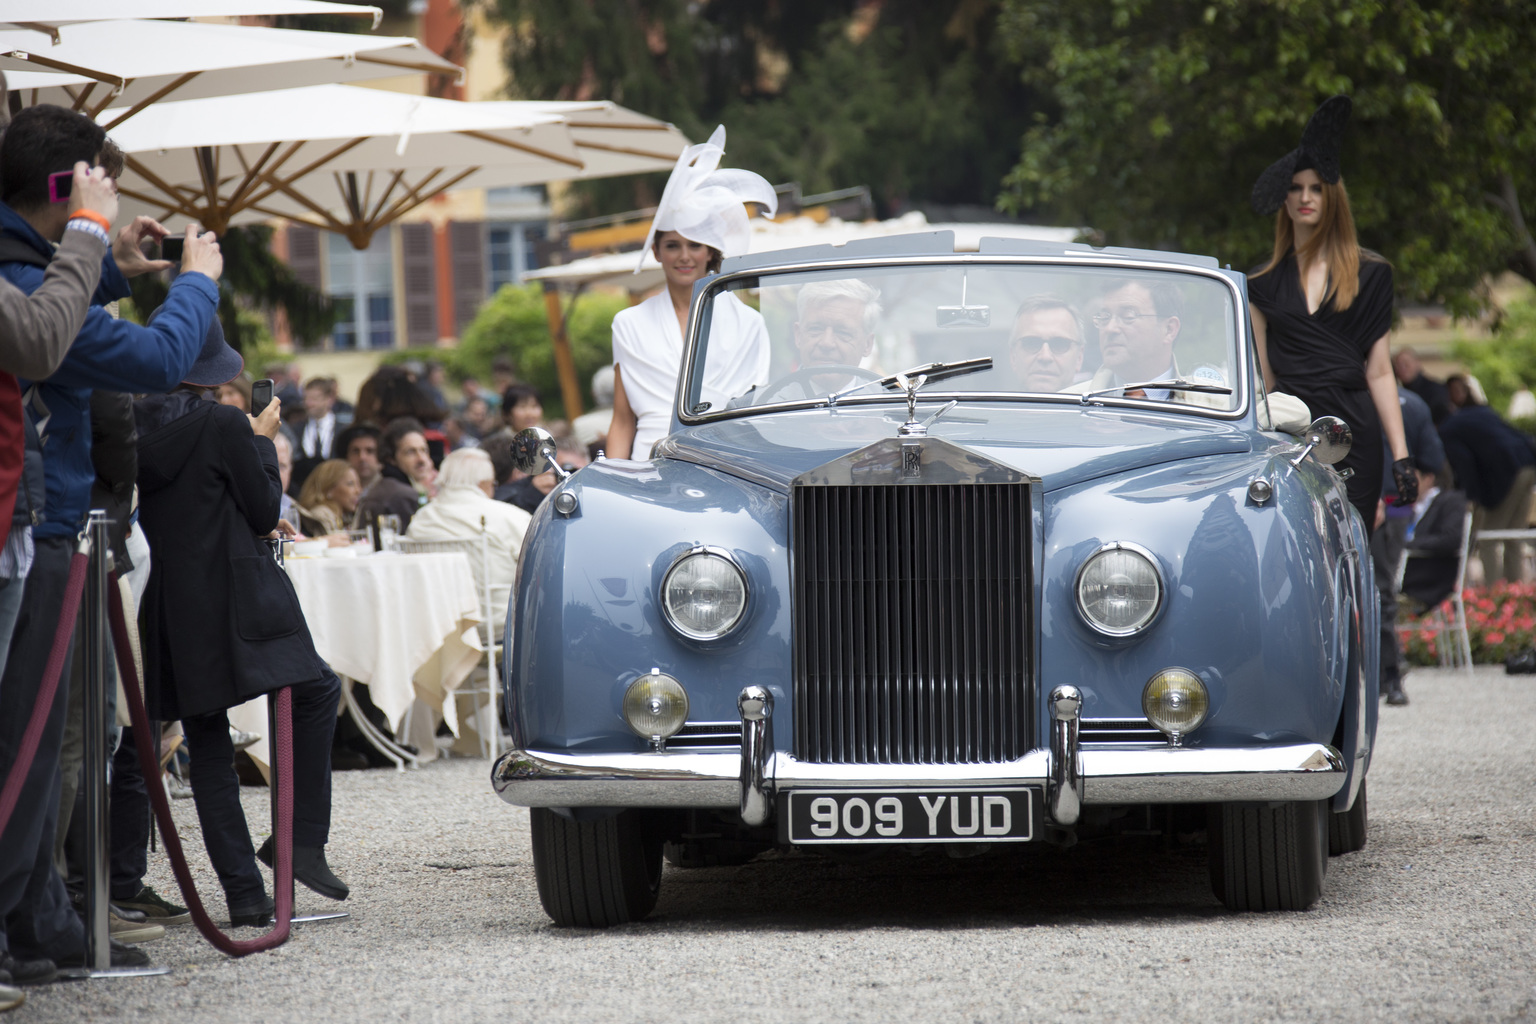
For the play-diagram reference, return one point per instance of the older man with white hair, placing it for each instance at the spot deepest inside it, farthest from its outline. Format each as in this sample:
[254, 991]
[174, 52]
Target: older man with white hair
[464, 509]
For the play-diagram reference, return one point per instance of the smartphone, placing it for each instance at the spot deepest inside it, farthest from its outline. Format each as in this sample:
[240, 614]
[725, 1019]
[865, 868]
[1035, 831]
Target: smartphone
[171, 247]
[261, 395]
[60, 185]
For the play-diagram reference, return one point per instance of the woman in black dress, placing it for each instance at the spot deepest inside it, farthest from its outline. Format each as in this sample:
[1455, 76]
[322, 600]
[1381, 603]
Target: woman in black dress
[1322, 309]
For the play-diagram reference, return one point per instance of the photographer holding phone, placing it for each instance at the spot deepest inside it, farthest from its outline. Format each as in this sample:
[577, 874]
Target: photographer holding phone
[222, 623]
[105, 354]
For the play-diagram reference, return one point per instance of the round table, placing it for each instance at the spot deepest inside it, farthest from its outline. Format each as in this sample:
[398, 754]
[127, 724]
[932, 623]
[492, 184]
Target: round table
[404, 624]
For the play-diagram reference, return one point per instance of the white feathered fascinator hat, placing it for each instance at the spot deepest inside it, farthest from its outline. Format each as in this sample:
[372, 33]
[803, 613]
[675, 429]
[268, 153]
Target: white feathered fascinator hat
[706, 204]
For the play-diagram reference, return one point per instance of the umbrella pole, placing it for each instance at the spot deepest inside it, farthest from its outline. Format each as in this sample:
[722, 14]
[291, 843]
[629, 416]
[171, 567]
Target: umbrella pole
[565, 364]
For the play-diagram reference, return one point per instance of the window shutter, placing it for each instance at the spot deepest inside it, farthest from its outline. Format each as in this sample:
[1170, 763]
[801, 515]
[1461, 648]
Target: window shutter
[304, 254]
[467, 240]
[420, 284]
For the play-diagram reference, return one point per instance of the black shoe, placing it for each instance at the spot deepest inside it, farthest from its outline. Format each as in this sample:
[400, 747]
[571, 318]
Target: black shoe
[27, 972]
[1397, 697]
[254, 915]
[309, 867]
[123, 955]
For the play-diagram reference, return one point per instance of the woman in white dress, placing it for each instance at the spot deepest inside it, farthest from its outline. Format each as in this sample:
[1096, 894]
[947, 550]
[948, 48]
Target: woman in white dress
[701, 219]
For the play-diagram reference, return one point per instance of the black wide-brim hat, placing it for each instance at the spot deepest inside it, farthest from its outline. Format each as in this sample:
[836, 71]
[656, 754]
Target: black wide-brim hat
[1319, 151]
[217, 363]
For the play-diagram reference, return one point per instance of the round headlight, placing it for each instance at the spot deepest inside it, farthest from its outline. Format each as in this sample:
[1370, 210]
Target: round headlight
[1119, 590]
[1176, 701]
[704, 594]
[656, 705]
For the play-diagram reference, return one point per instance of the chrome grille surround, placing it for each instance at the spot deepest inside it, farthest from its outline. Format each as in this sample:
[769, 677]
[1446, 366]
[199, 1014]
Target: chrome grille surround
[913, 632]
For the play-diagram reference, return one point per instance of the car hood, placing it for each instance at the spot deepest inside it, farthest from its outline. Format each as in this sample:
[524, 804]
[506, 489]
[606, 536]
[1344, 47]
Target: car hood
[1061, 446]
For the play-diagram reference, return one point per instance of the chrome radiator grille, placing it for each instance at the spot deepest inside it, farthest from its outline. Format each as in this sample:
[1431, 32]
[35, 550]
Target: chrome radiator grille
[912, 626]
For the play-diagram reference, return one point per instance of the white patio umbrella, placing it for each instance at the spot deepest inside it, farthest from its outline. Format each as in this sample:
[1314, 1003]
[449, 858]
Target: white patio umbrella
[613, 139]
[48, 18]
[347, 159]
[129, 65]
[617, 270]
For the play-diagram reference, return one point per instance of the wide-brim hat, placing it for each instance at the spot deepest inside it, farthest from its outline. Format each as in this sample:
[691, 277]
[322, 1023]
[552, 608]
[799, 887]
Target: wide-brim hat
[1319, 151]
[217, 363]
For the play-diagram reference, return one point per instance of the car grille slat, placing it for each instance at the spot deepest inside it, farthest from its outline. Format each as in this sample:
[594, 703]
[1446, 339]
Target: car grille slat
[912, 639]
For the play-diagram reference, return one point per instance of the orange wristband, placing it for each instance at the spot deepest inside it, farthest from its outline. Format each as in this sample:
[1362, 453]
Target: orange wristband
[93, 217]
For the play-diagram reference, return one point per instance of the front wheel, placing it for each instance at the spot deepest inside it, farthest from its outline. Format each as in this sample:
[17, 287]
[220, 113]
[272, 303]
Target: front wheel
[1268, 856]
[1347, 829]
[595, 874]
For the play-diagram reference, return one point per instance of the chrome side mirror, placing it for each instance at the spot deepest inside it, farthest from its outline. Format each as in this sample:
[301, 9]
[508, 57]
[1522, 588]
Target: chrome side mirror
[1328, 441]
[533, 452]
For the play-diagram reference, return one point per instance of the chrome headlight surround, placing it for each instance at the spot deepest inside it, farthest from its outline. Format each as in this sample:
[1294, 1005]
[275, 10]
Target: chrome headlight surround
[671, 604]
[1143, 620]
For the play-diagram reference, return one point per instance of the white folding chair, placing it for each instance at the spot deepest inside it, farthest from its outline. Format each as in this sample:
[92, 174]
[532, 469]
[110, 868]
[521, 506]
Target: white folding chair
[478, 551]
[1448, 620]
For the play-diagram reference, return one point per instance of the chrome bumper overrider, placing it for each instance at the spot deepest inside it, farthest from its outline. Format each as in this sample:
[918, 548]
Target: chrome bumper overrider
[1300, 771]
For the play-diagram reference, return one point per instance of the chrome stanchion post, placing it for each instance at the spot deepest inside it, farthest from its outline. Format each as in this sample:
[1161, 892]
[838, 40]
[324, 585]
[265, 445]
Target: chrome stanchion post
[96, 636]
[98, 948]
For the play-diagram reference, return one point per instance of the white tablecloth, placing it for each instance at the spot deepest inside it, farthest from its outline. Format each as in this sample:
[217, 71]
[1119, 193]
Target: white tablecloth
[403, 624]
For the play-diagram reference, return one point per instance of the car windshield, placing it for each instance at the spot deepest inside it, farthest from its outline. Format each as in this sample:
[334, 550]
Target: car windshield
[1067, 332]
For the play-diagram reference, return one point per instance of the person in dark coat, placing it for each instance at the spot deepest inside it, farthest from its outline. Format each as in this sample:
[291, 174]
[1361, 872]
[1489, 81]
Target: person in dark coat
[223, 622]
[1434, 543]
[1410, 373]
[1494, 466]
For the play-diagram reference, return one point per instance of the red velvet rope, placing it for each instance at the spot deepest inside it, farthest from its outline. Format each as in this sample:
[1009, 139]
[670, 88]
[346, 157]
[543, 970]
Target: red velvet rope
[45, 693]
[148, 746]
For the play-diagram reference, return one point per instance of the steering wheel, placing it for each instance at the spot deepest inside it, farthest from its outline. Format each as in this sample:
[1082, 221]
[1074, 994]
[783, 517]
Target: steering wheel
[803, 377]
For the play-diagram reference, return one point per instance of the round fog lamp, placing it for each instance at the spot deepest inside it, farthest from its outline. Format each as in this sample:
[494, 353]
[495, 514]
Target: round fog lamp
[704, 594]
[656, 705]
[1176, 701]
[1119, 590]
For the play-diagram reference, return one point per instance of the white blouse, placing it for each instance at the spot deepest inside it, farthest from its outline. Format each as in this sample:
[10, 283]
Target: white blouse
[648, 350]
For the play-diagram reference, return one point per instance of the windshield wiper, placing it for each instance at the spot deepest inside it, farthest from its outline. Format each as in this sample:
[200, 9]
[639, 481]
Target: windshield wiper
[1174, 384]
[927, 374]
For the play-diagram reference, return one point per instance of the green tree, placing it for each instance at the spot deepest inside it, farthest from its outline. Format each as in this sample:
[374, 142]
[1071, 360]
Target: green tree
[1165, 112]
[512, 325]
[915, 98]
[1505, 363]
[253, 279]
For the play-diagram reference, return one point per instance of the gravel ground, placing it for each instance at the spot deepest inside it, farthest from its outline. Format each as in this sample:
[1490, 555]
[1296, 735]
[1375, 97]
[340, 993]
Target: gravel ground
[1432, 921]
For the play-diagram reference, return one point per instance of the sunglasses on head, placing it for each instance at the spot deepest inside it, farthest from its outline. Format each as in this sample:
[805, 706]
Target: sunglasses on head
[1031, 343]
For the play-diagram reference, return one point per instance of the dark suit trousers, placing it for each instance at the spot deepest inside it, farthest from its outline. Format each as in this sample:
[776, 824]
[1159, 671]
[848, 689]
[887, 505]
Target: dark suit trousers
[1386, 551]
[129, 822]
[216, 788]
[38, 918]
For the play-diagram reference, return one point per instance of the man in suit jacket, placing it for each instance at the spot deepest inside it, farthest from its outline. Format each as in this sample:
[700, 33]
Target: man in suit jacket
[1434, 543]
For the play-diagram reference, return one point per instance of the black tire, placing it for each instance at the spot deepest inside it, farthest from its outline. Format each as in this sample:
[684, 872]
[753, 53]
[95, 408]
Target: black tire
[1268, 856]
[595, 874]
[1347, 829]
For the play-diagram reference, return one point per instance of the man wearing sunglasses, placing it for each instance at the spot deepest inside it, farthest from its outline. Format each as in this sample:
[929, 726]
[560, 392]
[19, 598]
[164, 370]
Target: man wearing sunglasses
[1045, 348]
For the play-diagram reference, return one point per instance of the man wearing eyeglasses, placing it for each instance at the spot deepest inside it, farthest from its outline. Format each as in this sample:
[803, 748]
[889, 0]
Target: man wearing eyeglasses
[1138, 324]
[1045, 348]
[834, 323]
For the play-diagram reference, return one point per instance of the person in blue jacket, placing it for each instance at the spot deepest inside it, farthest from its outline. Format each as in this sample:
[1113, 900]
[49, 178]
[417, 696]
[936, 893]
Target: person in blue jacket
[37, 924]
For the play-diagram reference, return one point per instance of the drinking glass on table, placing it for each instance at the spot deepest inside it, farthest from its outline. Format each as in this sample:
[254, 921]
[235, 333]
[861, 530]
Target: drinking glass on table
[389, 532]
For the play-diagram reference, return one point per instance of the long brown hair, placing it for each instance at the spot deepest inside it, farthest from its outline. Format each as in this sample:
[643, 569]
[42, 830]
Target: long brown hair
[317, 486]
[1334, 241]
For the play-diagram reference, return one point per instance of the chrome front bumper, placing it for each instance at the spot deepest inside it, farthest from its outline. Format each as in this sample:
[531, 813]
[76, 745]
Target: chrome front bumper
[1156, 775]
[1071, 776]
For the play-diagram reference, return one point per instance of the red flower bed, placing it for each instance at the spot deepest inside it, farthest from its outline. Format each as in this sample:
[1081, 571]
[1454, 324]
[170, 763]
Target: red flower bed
[1501, 620]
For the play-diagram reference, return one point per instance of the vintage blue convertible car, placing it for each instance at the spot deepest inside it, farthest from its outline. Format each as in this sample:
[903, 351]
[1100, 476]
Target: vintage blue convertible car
[948, 549]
